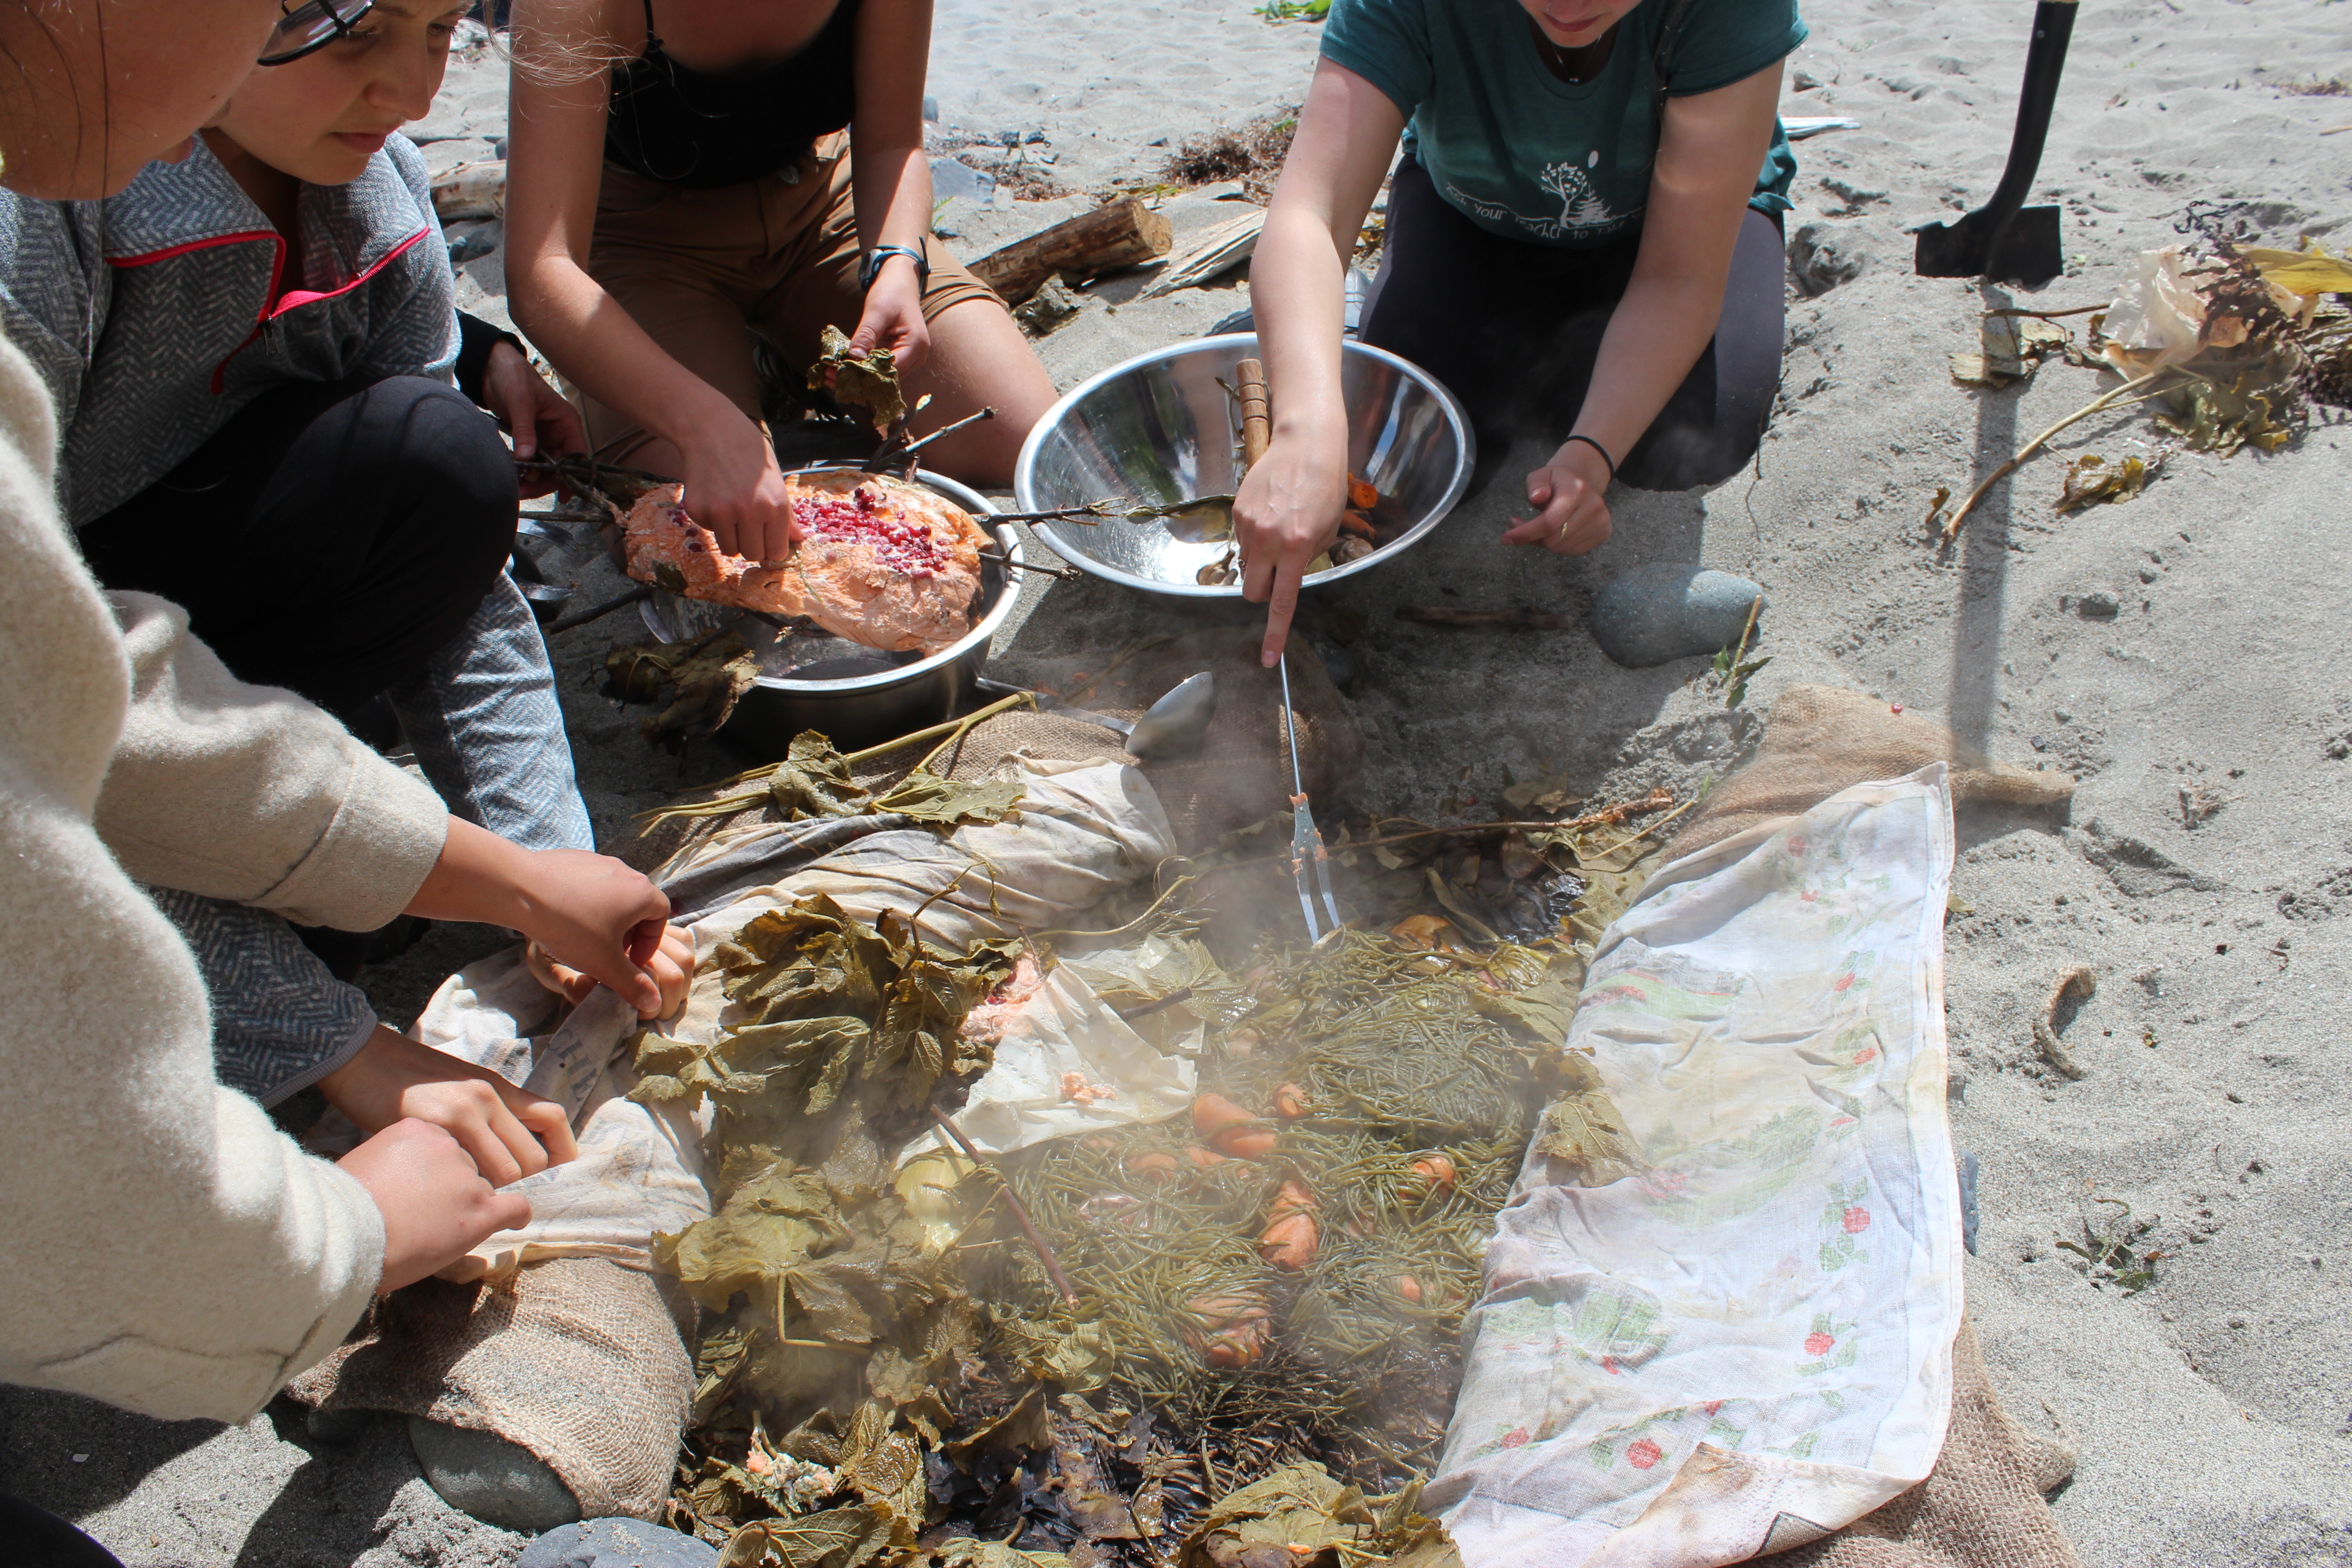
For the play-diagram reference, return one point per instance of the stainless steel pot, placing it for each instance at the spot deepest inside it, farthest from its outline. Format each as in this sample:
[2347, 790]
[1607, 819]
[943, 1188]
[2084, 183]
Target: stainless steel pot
[858, 696]
[1160, 429]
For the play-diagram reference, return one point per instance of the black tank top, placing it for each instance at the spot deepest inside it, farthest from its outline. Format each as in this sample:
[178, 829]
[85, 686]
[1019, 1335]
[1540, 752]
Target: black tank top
[685, 127]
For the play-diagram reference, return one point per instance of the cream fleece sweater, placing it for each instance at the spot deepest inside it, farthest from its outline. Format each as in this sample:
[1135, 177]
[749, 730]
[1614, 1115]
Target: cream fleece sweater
[167, 1248]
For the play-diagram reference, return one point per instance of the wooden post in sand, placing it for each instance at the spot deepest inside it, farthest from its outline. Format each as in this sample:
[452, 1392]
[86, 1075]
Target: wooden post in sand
[1123, 233]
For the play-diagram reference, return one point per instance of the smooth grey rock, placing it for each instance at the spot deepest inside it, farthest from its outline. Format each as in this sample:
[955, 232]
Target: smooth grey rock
[497, 1482]
[1669, 610]
[1821, 258]
[616, 1544]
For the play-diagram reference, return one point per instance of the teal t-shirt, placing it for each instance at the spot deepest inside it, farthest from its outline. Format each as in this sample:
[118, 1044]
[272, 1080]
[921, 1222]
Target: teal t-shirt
[1529, 156]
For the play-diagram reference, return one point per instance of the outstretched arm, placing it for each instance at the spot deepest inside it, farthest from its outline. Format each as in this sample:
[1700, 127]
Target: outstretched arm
[554, 172]
[1709, 152]
[1287, 511]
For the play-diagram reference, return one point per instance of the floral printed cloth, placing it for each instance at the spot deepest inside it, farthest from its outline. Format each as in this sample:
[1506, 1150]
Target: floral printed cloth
[1747, 1342]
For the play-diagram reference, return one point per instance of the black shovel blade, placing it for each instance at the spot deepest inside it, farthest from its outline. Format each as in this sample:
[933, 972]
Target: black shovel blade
[2026, 251]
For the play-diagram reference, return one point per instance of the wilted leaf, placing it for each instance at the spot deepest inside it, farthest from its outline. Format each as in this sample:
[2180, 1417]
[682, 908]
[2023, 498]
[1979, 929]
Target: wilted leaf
[962, 1552]
[1544, 1004]
[2091, 479]
[760, 1239]
[926, 797]
[815, 780]
[2303, 273]
[1023, 1428]
[836, 1538]
[676, 1070]
[706, 676]
[1584, 1130]
[871, 383]
[1292, 1519]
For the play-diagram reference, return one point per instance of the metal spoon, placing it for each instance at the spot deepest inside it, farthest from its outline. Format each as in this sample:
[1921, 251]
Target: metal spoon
[1171, 727]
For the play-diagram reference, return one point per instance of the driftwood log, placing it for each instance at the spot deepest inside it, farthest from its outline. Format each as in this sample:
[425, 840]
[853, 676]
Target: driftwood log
[1124, 234]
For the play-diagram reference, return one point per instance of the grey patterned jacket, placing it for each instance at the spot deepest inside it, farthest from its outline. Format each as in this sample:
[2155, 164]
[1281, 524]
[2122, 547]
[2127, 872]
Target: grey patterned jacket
[150, 313]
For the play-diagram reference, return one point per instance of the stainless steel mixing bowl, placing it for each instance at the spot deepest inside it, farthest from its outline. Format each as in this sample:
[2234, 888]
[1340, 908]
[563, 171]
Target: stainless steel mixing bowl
[1160, 429]
[858, 696]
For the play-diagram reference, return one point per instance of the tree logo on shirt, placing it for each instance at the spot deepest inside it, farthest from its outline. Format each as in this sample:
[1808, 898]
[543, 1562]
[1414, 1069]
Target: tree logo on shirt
[1582, 212]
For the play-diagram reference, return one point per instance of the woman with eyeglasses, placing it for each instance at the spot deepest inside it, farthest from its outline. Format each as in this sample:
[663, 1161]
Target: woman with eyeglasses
[176, 1255]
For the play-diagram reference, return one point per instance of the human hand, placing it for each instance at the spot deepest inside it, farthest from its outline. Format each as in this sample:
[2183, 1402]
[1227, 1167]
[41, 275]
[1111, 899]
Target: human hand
[539, 417]
[589, 911]
[893, 317]
[672, 967]
[598, 916]
[1570, 517]
[437, 1208]
[508, 1132]
[1287, 513]
[734, 489]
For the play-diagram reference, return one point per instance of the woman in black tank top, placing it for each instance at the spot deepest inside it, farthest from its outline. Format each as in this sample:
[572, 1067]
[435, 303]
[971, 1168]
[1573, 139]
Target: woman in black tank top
[678, 185]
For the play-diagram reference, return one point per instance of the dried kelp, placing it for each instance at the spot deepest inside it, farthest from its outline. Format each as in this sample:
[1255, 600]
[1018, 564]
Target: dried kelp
[870, 382]
[2091, 479]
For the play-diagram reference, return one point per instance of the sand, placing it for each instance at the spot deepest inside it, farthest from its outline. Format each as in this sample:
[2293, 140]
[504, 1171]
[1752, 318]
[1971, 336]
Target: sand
[2210, 1410]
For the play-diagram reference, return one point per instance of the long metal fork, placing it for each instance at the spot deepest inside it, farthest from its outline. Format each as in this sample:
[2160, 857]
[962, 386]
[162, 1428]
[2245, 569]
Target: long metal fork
[1306, 839]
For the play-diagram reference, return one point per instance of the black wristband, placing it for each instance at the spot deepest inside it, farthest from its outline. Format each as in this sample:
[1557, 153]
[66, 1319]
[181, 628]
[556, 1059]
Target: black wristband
[871, 267]
[1599, 448]
[476, 338]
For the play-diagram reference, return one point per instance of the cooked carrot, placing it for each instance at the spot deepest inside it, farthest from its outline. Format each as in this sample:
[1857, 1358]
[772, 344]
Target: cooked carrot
[1356, 522]
[1205, 1158]
[1425, 932]
[1289, 1242]
[1291, 1197]
[1228, 1331]
[1407, 1286]
[1361, 495]
[1213, 1113]
[1229, 1130]
[1252, 1142]
[1438, 1169]
[1154, 1167]
[1290, 1103]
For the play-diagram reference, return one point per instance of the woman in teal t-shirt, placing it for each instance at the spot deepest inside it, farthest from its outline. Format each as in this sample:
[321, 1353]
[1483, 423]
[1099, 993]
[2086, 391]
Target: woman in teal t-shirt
[1582, 242]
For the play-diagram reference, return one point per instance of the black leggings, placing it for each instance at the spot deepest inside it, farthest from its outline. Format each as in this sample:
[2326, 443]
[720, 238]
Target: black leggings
[330, 538]
[1512, 329]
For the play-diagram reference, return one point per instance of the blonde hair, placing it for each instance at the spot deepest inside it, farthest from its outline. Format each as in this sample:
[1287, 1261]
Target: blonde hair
[560, 43]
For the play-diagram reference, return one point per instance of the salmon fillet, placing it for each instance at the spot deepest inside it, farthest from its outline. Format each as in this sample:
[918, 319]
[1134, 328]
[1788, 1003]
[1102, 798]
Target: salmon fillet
[881, 563]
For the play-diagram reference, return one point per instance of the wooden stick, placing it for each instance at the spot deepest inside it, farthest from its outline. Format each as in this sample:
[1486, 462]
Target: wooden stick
[1122, 234]
[1013, 1203]
[1257, 413]
[636, 595]
[1952, 529]
[895, 451]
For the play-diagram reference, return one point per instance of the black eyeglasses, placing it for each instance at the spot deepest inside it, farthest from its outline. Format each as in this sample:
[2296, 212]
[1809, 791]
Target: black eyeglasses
[311, 27]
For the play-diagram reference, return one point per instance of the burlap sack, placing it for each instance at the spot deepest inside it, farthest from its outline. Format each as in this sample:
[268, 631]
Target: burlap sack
[1981, 1507]
[1820, 740]
[579, 1361]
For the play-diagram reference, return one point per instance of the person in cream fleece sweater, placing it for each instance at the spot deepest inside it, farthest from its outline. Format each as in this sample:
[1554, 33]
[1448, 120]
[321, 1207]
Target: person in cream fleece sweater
[170, 1251]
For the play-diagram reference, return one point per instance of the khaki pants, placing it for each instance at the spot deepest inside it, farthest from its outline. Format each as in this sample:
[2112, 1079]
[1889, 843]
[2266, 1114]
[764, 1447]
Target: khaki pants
[703, 271]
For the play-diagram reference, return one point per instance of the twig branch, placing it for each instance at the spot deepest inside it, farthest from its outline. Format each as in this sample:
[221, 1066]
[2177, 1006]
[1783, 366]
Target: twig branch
[2047, 315]
[1012, 1203]
[896, 451]
[1952, 529]
[636, 596]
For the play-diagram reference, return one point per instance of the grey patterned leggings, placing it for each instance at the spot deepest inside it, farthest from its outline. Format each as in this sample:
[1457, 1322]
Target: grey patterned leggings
[488, 735]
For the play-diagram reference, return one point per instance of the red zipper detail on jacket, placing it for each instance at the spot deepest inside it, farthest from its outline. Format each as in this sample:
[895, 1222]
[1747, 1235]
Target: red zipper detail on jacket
[269, 311]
